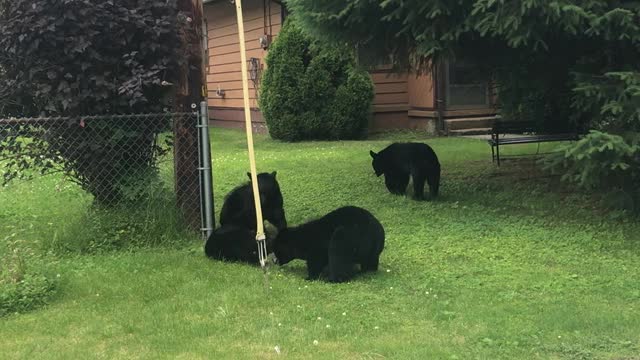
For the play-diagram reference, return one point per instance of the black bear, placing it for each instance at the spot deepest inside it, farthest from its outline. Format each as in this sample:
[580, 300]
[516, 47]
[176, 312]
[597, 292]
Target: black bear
[238, 208]
[398, 161]
[337, 241]
[234, 243]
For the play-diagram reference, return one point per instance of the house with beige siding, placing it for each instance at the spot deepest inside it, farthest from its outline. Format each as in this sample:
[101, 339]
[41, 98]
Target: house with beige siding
[448, 100]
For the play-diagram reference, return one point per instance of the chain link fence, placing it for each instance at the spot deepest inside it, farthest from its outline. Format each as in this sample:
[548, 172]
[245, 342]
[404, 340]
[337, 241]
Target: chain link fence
[120, 160]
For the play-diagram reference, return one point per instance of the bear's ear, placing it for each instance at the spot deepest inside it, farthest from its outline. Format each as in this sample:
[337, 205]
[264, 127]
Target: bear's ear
[373, 155]
[249, 175]
[274, 174]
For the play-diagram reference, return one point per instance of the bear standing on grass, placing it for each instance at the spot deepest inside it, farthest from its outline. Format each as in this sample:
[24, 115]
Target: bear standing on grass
[398, 161]
[337, 241]
[239, 209]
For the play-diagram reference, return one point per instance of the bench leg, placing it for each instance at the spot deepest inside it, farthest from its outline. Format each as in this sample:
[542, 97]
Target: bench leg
[498, 153]
[493, 155]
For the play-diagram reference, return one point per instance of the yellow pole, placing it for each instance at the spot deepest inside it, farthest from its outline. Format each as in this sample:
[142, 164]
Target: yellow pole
[247, 118]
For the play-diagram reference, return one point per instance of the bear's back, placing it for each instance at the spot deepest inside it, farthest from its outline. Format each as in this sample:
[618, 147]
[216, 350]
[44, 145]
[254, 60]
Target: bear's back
[411, 151]
[236, 209]
[352, 217]
[239, 207]
[361, 230]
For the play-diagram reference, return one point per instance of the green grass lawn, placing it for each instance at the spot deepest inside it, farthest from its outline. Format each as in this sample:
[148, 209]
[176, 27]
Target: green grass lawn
[507, 264]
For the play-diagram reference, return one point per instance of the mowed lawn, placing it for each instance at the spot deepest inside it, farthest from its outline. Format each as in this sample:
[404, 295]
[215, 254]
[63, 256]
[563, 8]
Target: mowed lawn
[507, 264]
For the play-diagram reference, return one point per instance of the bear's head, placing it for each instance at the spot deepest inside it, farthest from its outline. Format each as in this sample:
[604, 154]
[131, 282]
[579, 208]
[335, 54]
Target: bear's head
[377, 163]
[271, 199]
[283, 247]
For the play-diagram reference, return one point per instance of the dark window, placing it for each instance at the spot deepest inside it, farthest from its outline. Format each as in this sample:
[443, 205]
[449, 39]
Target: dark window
[466, 87]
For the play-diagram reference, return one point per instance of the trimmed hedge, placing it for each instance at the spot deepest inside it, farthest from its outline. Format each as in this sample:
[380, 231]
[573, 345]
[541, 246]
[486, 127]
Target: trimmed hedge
[313, 92]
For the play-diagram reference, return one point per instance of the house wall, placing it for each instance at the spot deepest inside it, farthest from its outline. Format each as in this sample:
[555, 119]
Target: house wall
[224, 69]
[420, 88]
[395, 94]
[391, 100]
[422, 112]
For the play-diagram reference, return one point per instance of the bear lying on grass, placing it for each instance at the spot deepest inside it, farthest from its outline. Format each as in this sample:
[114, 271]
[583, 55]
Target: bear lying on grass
[398, 161]
[234, 243]
[338, 241]
[239, 209]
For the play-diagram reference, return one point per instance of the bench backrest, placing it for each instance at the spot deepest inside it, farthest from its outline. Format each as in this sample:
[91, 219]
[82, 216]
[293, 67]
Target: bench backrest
[514, 127]
[502, 126]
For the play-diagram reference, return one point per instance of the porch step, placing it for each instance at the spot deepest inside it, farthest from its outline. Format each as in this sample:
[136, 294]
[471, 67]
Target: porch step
[470, 131]
[469, 123]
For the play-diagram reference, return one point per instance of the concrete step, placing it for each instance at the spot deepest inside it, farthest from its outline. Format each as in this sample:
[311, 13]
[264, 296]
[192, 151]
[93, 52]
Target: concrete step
[468, 123]
[470, 131]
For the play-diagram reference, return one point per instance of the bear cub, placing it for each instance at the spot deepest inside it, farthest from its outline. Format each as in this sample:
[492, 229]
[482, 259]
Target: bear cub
[398, 161]
[239, 209]
[235, 243]
[337, 241]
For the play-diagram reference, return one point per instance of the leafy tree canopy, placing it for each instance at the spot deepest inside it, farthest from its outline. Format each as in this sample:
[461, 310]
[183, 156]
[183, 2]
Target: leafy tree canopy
[63, 57]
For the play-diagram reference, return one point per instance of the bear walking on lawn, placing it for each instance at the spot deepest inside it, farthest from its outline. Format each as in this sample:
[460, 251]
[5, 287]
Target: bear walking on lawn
[337, 241]
[398, 161]
[239, 209]
[234, 243]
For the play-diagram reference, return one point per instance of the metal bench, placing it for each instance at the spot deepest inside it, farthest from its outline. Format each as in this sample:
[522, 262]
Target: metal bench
[509, 132]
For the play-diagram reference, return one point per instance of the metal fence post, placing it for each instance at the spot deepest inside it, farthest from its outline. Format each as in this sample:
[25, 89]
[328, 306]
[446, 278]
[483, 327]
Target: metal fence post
[206, 191]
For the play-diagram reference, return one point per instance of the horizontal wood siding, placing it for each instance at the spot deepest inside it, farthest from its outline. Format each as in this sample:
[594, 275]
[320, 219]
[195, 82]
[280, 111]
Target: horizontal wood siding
[224, 69]
[390, 89]
[421, 91]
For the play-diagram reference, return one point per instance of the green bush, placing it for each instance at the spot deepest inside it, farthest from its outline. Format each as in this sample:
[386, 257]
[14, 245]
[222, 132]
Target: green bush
[310, 91]
[24, 284]
[607, 159]
[602, 161]
[528, 90]
[32, 292]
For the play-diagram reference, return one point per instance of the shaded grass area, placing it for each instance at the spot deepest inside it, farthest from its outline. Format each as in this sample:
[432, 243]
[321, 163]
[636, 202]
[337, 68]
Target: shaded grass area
[54, 214]
[508, 263]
